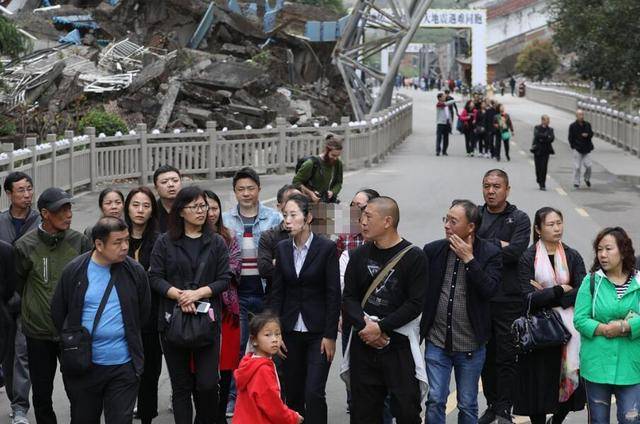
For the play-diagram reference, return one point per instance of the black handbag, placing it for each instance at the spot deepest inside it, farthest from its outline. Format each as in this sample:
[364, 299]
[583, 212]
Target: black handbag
[538, 331]
[191, 330]
[75, 340]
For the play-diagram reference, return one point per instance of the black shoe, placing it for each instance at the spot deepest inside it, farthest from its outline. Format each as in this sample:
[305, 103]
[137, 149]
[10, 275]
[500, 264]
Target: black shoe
[445, 154]
[508, 158]
[504, 418]
[576, 186]
[543, 188]
[487, 417]
[437, 153]
[588, 183]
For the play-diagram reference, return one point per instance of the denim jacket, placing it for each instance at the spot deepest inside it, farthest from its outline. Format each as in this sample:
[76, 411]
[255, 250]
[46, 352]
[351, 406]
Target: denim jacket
[267, 219]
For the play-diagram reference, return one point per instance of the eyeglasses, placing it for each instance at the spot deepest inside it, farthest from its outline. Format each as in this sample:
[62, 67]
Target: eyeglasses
[196, 208]
[447, 220]
[24, 190]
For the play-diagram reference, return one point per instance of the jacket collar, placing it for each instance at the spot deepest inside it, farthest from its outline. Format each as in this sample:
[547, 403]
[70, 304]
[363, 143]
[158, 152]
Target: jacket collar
[262, 212]
[207, 236]
[634, 284]
[51, 240]
[507, 210]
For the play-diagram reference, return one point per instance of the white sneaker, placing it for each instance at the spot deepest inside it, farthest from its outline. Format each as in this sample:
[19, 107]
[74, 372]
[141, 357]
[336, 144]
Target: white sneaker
[19, 418]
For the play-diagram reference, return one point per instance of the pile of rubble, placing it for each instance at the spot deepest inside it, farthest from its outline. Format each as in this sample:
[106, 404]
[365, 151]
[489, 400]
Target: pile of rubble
[170, 64]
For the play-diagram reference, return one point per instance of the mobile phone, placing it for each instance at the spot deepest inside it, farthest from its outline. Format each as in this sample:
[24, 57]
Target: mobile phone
[202, 307]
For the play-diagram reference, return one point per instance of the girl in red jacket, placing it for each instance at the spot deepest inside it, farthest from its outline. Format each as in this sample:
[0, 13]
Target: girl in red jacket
[258, 400]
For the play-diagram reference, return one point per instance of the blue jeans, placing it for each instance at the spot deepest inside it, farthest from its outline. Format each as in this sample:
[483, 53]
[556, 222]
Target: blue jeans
[249, 305]
[467, 368]
[599, 402]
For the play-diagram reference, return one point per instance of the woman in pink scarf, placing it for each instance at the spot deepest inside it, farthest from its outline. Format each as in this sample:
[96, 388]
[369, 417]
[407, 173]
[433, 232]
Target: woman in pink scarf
[550, 273]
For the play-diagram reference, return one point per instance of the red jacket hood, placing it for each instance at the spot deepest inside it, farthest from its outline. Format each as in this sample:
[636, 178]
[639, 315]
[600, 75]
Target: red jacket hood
[249, 365]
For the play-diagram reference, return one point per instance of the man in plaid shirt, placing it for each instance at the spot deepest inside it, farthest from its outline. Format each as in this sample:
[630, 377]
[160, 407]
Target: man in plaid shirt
[349, 241]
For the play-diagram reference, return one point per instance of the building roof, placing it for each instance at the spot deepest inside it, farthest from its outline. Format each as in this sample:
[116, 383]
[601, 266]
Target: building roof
[497, 8]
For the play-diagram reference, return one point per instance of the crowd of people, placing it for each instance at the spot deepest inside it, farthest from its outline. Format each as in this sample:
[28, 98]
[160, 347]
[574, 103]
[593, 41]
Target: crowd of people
[246, 306]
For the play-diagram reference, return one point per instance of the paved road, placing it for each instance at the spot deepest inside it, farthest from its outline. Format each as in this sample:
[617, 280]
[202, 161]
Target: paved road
[424, 186]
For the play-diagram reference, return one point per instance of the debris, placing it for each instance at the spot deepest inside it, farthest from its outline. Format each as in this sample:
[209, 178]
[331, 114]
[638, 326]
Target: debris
[76, 21]
[47, 8]
[72, 38]
[110, 83]
[167, 106]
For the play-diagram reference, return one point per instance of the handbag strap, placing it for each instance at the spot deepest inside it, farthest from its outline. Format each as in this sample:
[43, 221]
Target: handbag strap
[383, 274]
[103, 304]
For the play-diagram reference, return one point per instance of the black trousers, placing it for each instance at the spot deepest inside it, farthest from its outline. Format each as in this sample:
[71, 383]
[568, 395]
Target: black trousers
[378, 373]
[481, 142]
[225, 385]
[306, 371]
[442, 138]
[203, 383]
[469, 141]
[497, 146]
[541, 162]
[500, 369]
[148, 392]
[112, 388]
[43, 363]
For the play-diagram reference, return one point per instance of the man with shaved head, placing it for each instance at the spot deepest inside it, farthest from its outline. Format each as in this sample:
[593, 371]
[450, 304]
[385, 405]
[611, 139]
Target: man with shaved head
[385, 284]
[580, 135]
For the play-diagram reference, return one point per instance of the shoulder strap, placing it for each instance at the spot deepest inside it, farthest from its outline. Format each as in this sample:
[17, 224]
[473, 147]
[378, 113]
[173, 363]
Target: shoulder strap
[103, 304]
[382, 274]
[592, 283]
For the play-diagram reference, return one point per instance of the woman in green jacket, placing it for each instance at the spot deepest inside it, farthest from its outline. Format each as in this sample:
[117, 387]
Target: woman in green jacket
[607, 318]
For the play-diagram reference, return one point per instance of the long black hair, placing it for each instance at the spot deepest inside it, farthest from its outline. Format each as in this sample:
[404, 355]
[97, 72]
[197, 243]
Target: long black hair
[152, 224]
[219, 225]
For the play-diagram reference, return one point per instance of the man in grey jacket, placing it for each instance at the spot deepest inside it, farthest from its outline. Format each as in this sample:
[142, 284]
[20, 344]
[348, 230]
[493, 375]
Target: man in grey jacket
[16, 221]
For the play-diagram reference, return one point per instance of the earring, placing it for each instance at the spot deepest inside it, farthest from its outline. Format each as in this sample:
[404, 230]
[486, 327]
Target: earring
[255, 345]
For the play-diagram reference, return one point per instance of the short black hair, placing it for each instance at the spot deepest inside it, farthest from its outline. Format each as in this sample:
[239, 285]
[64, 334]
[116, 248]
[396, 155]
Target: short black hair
[162, 169]
[471, 211]
[498, 173]
[283, 190]
[105, 226]
[246, 173]
[14, 177]
[303, 203]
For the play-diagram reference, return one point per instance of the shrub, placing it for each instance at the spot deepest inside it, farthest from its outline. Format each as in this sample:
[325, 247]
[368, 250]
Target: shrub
[7, 127]
[103, 122]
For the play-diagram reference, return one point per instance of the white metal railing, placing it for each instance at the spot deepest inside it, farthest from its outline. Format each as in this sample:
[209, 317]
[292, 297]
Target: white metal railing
[614, 126]
[75, 162]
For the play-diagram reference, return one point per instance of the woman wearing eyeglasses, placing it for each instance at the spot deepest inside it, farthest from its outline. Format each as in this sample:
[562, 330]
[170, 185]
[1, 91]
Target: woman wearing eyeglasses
[190, 269]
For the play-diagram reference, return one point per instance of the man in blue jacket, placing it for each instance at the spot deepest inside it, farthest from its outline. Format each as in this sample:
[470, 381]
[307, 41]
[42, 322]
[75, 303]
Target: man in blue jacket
[464, 274]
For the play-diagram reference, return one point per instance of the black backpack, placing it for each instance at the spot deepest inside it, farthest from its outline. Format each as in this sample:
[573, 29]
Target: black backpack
[316, 165]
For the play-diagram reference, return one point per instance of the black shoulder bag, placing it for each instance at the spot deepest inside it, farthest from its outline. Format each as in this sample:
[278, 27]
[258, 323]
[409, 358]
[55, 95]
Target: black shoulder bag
[538, 331]
[75, 340]
[191, 330]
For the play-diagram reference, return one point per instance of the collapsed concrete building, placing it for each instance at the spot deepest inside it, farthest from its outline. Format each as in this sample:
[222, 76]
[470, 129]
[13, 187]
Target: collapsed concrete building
[170, 64]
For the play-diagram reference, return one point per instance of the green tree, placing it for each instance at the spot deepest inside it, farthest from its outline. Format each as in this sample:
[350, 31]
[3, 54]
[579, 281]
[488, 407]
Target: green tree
[603, 35]
[12, 42]
[538, 60]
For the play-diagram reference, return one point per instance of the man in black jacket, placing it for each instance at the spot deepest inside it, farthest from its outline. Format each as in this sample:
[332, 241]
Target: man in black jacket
[507, 227]
[464, 274]
[381, 360]
[7, 289]
[111, 384]
[580, 140]
[541, 148]
[489, 118]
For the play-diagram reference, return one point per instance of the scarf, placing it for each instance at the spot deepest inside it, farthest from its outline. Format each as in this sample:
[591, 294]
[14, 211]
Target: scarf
[548, 276]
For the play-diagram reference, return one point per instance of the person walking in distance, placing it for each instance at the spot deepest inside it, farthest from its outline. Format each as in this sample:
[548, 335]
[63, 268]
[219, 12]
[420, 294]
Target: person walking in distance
[504, 132]
[512, 85]
[306, 297]
[541, 148]
[464, 273]
[580, 140]
[141, 217]
[190, 271]
[492, 131]
[468, 117]
[168, 182]
[17, 220]
[41, 255]
[443, 123]
[107, 293]
[550, 273]
[507, 227]
[607, 317]
[383, 356]
[247, 221]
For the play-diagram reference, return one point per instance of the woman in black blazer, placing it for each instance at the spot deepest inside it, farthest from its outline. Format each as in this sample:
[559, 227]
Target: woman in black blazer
[176, 260]
[306, 296]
